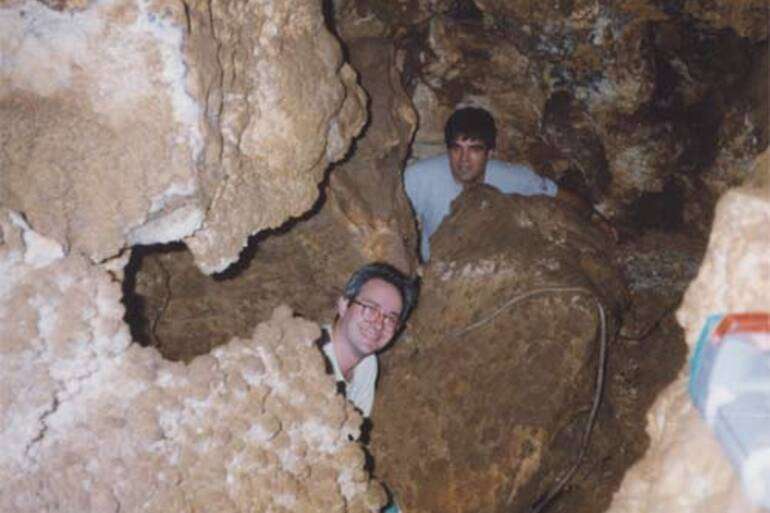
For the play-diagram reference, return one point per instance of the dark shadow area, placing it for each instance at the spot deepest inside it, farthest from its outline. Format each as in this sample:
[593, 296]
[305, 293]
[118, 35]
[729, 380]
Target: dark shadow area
[142, 328]
[659, 210]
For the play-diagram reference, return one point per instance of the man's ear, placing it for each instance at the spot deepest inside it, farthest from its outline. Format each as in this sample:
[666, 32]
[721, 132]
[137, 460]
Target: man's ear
[343, 304]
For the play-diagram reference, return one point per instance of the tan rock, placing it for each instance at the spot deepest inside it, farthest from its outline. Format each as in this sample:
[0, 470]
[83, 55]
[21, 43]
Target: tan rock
[685, 469]
[366, 217]
[89, 420]
[100, 133]
[130, 123]
[284, 106]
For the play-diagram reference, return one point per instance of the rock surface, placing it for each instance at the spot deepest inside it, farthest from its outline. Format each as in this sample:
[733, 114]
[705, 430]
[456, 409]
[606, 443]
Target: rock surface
[477, 412]
[365, 217]
[281, 105]
[91, 422]
[132, 123]
[639, 106]
[685, 470]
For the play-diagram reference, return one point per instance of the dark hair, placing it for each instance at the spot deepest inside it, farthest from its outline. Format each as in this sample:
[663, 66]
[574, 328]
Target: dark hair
[407, 287]
[471, 123]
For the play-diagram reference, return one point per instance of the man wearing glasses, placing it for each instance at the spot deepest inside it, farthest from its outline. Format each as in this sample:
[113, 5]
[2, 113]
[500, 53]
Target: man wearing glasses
[372, 309]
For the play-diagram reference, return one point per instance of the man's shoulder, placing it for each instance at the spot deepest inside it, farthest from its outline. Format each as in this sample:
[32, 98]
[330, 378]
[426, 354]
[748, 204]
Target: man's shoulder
[501, 166]
[518, 178]
[438, 164]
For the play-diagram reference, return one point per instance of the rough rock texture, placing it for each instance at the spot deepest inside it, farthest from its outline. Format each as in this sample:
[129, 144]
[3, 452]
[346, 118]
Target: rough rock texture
[685, 470]
[126, 123]
[485, 418]
[367, 190]
[91, 422]
[747, 17]
[100, 136]
[280, 106]
[365, 217]
[640, 106]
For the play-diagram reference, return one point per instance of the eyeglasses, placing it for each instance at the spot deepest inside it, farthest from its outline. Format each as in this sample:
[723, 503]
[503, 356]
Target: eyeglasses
[373, 313]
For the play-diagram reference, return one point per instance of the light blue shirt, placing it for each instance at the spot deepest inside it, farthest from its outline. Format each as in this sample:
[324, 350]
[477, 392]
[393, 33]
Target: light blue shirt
[432, 188]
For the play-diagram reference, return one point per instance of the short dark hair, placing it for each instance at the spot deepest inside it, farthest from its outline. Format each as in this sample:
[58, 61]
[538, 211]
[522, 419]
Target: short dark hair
[471, 123]
[407, 287]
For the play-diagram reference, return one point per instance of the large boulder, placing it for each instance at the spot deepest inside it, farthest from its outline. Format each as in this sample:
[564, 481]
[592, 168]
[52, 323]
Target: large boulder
[480, 407]
[92, 422]
[128, 122]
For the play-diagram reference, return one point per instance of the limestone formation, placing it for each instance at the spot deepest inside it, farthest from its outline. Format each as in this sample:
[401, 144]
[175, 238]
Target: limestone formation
[365, 217]
[475, 407]
[90, 421]
[128, 122]
[685, 469]
[281, 105]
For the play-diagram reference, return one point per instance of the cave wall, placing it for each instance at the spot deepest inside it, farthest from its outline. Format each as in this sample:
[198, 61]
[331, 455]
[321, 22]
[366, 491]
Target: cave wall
[135, 123]
[685, 469]
[644, 108]
[127, 123]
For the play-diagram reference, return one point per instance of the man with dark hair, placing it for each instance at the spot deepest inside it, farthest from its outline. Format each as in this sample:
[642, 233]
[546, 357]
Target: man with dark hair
[373, 308]
[470, 135]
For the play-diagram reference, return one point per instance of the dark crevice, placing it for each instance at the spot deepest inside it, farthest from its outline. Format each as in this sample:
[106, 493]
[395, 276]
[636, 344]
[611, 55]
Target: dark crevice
[660, 210]
[141, 323]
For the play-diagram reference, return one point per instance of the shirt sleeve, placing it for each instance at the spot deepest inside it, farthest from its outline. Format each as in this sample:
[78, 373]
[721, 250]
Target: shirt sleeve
[519, 179]
[411, 187]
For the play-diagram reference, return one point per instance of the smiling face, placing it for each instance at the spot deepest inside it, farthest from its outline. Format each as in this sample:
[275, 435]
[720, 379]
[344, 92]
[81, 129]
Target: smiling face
[362, 323]
[468, 160]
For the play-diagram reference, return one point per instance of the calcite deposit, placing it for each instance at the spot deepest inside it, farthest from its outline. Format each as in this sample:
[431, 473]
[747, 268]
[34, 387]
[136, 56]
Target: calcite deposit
[281, 105]
[685, 469]
[365, 217]
[90, 421]
[126, 122]
[479, 406]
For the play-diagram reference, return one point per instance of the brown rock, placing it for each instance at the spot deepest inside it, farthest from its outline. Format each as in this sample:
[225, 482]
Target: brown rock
[747, 17]
[476, 410]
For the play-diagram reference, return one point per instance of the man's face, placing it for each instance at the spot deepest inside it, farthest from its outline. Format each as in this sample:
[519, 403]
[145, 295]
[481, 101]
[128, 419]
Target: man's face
[468, 160]
[369, 321]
